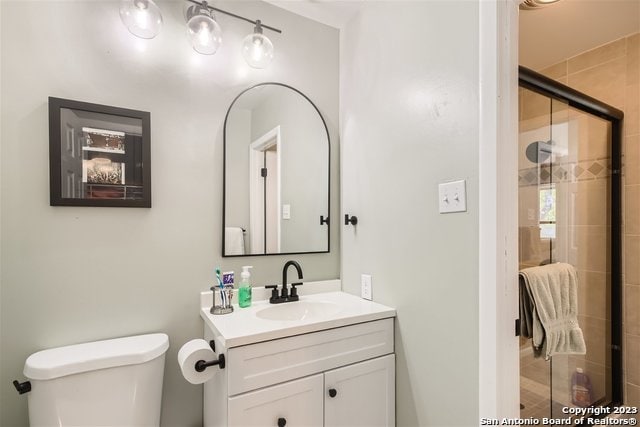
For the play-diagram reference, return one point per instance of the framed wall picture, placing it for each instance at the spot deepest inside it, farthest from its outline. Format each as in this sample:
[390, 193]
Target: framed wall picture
[98, 155]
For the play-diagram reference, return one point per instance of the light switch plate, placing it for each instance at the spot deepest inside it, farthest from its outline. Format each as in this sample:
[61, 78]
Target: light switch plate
[286, 211]
[365, 286]
[453, 196]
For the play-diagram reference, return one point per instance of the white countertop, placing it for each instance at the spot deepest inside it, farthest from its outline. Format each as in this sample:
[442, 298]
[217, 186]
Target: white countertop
[243, 326]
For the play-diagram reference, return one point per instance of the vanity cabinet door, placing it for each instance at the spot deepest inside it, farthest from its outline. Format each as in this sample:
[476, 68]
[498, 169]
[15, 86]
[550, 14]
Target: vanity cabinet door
[362, 394]
[294, 403]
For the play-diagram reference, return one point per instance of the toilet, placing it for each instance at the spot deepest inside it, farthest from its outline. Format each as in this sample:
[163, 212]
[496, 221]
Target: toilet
[115, 382]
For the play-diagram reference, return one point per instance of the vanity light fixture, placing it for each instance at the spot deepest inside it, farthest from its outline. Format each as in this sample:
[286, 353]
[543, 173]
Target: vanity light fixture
[257, 49]
[204, 32]
[143, 19]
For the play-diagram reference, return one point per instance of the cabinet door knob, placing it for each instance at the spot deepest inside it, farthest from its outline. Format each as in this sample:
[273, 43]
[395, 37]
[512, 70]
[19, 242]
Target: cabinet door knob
[282, 422]
[333, 392]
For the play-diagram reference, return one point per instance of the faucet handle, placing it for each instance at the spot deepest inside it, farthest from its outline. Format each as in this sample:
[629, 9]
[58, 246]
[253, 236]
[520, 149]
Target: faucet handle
[274, 292]
[294, 290]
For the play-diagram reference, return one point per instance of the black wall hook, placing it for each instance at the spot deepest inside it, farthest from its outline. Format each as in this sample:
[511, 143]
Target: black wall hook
[353, 220]
[324, 220]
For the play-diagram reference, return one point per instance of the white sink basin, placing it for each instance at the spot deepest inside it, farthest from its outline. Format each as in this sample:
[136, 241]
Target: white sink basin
[315, 311]
[299, 310]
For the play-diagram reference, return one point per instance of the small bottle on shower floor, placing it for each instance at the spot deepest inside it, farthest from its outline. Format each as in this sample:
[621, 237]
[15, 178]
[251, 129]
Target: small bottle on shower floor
[581, 389]
[244, 289]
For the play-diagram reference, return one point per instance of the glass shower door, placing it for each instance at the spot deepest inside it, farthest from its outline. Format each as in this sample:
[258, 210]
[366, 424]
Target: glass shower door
[536, 213]
[581, 163]
[564, 216]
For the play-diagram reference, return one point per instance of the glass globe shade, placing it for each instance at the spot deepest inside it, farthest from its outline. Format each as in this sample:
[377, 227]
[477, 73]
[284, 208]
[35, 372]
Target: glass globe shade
[205, 34]
[141, 17]
[257, 50]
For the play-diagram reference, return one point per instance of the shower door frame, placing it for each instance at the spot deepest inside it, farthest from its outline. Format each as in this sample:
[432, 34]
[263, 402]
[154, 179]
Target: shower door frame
[543, 85]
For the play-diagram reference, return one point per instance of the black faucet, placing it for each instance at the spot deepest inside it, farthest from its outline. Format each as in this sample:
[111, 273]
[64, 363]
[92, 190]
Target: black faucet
[284, 292]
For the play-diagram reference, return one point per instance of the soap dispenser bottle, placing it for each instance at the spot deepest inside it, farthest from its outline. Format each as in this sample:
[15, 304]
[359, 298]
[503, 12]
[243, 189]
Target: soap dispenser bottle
[244, 289]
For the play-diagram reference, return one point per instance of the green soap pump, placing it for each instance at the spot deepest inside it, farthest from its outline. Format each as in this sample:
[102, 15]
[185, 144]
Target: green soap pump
[244, 289]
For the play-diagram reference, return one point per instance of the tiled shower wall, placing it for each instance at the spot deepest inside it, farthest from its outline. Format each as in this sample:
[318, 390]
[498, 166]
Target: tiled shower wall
[611, 73]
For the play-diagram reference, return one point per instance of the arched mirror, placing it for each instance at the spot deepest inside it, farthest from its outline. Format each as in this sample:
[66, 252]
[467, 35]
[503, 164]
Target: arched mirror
[276, 174]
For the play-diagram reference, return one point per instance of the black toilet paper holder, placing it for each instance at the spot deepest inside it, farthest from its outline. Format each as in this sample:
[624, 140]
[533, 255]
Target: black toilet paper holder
[201, 365]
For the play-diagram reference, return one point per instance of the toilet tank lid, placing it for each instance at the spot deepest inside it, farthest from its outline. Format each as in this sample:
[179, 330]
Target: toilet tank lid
[74, 359]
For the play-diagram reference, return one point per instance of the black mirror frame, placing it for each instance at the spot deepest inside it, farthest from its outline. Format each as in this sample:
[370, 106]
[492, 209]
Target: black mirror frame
[224, 174]
[55, 178]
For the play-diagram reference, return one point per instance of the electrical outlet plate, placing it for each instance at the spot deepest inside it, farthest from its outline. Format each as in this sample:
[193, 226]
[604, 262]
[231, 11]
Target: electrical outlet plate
[453, 196]
[365, 286]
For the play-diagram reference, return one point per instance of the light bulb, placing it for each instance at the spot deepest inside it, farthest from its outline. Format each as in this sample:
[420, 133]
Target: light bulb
[257, 49]
[141, 17]
[204, 32]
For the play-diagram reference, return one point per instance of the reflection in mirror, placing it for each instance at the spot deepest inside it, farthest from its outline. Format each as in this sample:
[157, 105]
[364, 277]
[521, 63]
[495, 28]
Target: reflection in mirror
[104, 154]
[276, 179]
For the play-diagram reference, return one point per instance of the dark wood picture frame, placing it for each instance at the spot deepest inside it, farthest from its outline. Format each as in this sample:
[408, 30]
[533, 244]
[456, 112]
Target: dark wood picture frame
[142, 198]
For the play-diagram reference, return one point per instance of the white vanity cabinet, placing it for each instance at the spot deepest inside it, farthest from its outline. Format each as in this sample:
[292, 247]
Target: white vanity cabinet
[362, 394]
[344, 376]
[294, 403]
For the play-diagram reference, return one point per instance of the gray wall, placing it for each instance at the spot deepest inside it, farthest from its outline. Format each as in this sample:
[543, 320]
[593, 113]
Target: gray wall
[409, 120]
[71, 275]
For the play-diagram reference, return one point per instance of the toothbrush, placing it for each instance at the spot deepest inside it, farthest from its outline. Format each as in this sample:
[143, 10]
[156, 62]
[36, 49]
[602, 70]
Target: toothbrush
[223, 297]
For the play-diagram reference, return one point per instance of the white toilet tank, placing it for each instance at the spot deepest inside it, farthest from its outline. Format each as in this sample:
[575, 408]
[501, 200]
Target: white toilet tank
[114, 382]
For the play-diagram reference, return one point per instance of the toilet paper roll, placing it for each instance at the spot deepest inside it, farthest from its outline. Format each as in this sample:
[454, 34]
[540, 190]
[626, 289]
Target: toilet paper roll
[189, 354]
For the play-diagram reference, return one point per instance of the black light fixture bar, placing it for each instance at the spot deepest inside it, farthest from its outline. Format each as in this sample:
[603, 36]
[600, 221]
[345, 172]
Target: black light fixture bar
[235, 16]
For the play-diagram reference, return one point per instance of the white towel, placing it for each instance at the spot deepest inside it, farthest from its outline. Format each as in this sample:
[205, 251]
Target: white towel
[551, 299]
[233, 241]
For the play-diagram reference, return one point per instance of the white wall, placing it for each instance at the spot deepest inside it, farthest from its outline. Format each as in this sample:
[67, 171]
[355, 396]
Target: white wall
[409, 107]
[77, 274]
